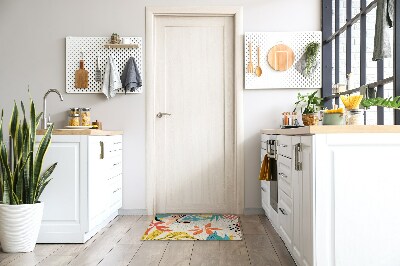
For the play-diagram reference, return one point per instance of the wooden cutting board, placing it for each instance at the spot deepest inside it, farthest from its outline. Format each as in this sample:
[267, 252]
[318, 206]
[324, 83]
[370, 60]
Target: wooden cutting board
[81, 77]
[280, 57]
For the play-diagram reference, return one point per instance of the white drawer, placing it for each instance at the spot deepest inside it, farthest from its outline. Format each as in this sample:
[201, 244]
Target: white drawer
[285, 218]
[265, 194]
[265, 137]
[285, 175]
[263, 145]
[284, 146]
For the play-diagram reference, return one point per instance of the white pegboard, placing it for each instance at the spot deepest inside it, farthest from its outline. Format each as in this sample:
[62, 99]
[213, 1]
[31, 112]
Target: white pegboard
[91, 46]
[291, 78]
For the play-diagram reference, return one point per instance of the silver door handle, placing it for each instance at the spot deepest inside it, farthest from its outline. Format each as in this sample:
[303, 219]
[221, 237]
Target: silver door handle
[159, 115]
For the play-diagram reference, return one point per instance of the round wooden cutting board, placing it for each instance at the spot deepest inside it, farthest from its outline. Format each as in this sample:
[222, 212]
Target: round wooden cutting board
[280, 57]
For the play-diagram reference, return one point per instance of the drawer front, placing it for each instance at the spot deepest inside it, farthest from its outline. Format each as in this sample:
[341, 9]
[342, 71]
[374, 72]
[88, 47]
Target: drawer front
[285, 175]
[113, 146]
[285, 218]
[265, 193]
[263, 152]
[285, 146]
[264, 137]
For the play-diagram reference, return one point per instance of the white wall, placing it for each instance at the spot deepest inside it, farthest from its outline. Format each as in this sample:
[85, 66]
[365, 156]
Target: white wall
[32, 51]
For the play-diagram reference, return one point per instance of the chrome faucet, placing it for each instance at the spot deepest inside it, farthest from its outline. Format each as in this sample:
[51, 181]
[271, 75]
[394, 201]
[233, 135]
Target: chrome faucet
[44, 120]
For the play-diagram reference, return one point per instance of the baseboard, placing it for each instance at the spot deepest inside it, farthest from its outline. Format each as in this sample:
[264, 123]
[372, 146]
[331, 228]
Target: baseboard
[247, 211]
[253, 211]
[132, 212]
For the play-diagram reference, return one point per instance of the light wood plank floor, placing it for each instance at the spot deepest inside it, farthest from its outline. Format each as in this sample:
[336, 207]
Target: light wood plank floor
[119, 244]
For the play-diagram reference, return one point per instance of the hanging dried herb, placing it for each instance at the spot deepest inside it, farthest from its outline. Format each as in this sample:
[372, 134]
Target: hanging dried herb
[311, 56]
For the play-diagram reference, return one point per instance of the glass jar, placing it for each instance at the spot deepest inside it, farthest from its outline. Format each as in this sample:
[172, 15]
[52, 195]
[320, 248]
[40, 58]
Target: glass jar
[73, 120]
[85, 117]
[355, 117]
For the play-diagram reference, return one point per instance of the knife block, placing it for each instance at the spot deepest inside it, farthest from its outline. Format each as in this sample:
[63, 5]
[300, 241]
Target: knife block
[81, 77]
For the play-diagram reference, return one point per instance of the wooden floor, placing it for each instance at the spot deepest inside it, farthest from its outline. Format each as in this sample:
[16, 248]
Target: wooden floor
[119, 244]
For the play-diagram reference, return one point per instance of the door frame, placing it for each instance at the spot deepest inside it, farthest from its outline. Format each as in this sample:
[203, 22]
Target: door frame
[151, 14]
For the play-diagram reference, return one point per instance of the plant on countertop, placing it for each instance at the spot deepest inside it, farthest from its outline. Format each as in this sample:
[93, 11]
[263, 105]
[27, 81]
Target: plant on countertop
[309, 103]
[21, 177]
[382, 102]
[311, 56]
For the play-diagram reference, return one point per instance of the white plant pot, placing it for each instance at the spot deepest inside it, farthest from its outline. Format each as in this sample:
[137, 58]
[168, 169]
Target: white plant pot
[19, 226]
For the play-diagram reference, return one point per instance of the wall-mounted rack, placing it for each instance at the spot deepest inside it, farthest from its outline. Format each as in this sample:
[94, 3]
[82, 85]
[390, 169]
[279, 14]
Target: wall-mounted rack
[291, 78]
[91, 47]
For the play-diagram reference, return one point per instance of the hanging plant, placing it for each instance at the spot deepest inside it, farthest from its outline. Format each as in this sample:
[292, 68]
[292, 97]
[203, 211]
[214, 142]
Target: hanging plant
[382, 102]
[311, 56]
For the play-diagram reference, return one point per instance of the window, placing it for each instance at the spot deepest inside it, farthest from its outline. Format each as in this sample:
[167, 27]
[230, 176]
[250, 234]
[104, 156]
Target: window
[348, 32]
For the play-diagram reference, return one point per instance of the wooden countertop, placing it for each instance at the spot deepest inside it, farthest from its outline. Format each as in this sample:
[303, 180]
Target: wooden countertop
[311, 130]
[88, 132]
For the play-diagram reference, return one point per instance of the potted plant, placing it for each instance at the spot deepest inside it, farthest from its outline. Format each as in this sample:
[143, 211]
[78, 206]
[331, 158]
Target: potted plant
[22, 181]
[309, 104]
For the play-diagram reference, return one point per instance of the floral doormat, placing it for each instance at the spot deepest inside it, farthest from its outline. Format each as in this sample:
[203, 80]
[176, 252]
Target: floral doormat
[194, 227]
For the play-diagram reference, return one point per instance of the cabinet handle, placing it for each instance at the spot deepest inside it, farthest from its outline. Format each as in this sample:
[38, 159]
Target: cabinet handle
[283, 211]
[101, 150]
[263, 189]
[297, 164]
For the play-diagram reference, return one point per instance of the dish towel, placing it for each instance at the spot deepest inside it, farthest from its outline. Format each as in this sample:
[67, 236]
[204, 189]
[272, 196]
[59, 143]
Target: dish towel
[131, 79]
[265, 171]
[384, 21]
[111, 82]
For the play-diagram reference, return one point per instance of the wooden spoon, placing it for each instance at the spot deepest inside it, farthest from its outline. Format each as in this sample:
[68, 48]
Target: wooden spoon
[250, 67]
[258, 69]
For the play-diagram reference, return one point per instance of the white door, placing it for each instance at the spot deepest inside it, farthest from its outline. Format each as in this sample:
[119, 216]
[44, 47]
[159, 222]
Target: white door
[194, 82]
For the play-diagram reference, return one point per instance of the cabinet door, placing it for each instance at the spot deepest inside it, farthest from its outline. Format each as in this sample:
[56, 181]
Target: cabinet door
[297, 203]
[307, 201]
[64, 219]
[97, 188]
[303, 202]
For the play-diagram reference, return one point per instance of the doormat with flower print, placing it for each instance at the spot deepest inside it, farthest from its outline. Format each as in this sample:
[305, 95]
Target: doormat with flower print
[194, 227]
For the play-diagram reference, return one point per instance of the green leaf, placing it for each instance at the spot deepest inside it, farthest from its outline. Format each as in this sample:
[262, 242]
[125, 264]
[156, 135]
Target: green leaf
[1, 126]
[46, 174]
[14, 121]
[38, 117]
[42, 148]
[8, 177]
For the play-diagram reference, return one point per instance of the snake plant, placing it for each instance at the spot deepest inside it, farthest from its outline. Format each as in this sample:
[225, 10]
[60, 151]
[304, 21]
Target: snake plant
[21, 178]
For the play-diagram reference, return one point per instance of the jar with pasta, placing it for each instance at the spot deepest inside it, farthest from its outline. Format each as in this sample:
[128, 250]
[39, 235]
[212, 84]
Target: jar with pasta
[85, 117]
[73, 120]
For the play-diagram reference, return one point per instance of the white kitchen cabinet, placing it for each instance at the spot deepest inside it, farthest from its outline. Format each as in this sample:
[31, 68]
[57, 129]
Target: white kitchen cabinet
[86, 188]
[344, 195]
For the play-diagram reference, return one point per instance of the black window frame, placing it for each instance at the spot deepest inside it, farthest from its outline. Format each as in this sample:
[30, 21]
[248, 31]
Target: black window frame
[328, 37]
